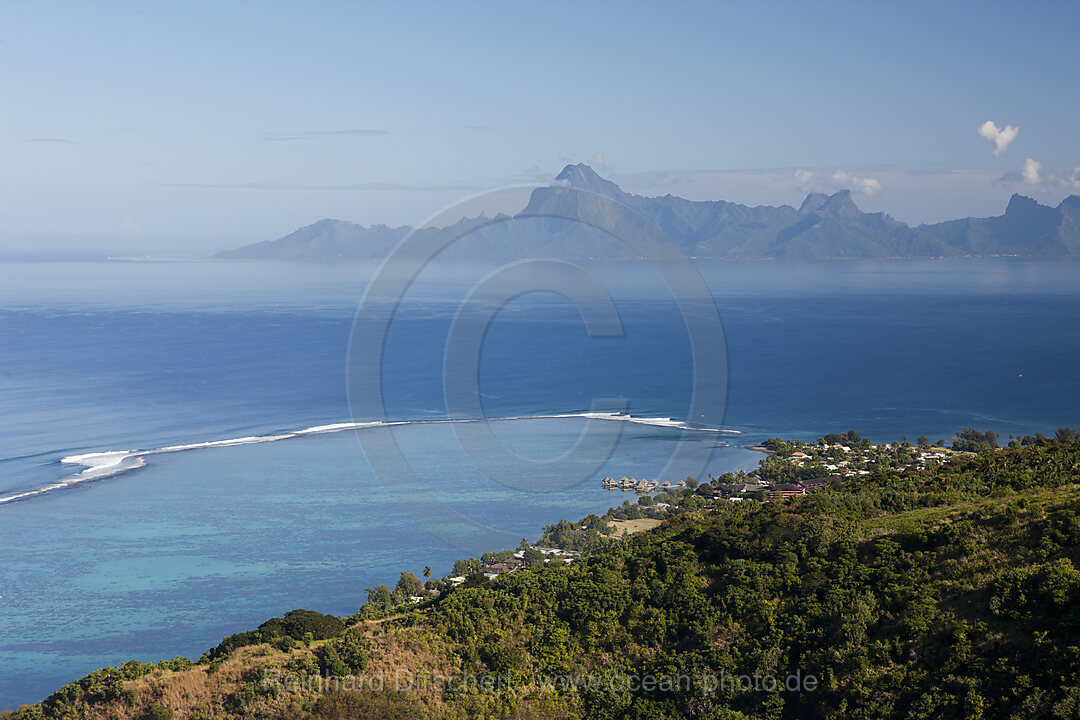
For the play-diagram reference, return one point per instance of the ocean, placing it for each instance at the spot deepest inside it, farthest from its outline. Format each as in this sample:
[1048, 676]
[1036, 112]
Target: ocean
[190, 448]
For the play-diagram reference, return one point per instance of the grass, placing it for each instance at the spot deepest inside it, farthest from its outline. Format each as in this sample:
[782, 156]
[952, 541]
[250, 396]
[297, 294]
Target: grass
[629, 527]
[924, 518]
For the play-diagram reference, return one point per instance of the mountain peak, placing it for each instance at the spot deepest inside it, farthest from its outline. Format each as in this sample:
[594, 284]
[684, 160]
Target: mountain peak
[813, 201]
[1020, 203]
[840, 204]
[583, 177]
[1071, 203]
[573, 172]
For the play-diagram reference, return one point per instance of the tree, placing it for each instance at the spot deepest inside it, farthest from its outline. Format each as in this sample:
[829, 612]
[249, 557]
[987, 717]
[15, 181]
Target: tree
[297, 623]
[331, 663]
[971, 440]
[1067, 435]
[427, 571]
[409, 585]
[532, 556]
[476, 579]
[777, 445]
[464, 568]
[379, 596]
[924, 442]
[352, 650]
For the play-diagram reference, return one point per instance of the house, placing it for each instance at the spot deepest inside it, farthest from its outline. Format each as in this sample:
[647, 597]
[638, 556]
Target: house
[820, 482]
[493, 571]
[799, 454]
[786, 490]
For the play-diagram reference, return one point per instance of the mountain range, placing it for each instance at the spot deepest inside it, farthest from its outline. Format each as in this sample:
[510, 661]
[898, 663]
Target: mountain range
[559, 221]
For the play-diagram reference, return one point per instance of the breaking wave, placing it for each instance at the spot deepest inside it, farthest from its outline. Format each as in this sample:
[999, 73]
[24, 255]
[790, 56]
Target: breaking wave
[101, 465]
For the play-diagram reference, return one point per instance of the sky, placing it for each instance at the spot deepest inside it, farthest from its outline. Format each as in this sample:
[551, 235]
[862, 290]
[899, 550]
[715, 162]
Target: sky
[187, 128]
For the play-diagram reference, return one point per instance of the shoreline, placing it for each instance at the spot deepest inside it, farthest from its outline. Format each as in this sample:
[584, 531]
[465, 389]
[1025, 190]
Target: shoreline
[625, 526]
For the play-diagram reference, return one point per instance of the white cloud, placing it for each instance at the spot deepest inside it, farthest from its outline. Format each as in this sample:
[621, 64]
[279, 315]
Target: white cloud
[1000, 137]
[866, 185]
[804, 180]
[598, 164]
[1031, 171]
[1071, 180]
[1033, 175]
[869, 186]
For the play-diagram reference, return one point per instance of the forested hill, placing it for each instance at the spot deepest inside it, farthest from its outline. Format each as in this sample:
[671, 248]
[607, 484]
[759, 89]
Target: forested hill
[824, 226]
[948, 592]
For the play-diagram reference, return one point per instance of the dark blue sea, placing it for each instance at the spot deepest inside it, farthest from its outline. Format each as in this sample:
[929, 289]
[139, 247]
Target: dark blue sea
[209, 483]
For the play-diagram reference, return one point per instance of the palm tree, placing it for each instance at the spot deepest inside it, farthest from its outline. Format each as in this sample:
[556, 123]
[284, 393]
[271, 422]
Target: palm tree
[427, 571]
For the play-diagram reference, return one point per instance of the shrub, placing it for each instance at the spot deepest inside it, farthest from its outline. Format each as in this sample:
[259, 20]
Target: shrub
[298, 623]
[158, 712]
[368, 704]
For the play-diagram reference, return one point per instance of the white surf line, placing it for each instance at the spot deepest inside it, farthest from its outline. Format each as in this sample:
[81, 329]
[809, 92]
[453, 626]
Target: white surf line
[656, 422]
[102, 465]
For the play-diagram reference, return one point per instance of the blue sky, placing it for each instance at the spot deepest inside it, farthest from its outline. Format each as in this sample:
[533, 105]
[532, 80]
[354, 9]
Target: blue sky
[191, 127]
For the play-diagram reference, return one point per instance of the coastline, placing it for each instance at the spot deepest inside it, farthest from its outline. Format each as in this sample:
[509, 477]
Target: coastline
[214, 542]
[597, 536]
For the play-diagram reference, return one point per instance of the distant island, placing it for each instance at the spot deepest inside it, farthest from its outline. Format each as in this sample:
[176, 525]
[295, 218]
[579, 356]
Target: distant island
[823, 227]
